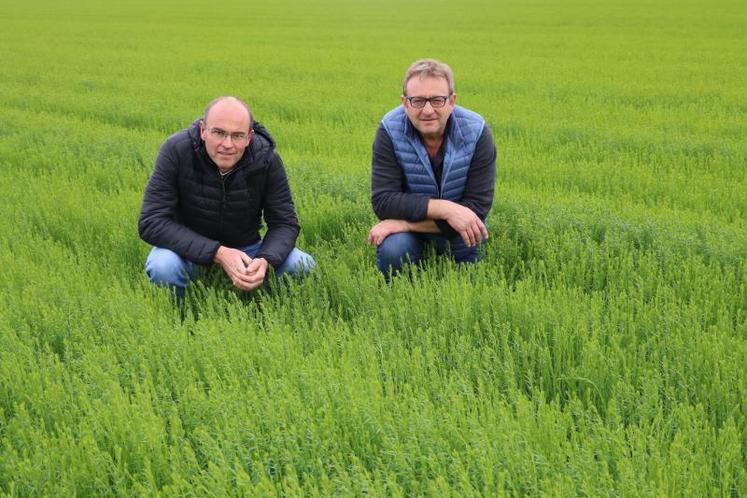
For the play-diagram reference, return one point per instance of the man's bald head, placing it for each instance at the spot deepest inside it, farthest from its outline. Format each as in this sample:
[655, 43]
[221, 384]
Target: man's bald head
[226, 131]
[228, 102]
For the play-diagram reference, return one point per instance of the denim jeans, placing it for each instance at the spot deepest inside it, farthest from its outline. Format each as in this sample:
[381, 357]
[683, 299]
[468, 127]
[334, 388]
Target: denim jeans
[407, 247]
[166, 268]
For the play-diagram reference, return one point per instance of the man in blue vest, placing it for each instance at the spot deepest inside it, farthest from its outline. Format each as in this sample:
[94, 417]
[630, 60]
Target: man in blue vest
[433, 173]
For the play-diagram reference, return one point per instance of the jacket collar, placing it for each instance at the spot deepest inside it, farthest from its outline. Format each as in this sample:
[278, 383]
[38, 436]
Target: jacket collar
[261, 147]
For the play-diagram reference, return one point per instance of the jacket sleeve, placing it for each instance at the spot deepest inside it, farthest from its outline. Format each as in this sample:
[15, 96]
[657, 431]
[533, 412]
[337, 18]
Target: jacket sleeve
[480, 186]
[279, 214]
[388, 196]
[157, 224]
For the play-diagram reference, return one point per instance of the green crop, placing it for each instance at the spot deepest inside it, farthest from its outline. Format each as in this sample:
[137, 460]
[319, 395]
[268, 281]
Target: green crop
[598, 349]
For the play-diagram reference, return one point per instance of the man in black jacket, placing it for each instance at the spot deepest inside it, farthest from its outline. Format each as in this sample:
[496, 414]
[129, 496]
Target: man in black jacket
[212, 184]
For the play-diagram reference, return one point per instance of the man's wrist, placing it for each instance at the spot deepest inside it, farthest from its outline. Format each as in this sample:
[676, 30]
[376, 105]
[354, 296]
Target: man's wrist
[219, 254]
[263, 258]
[438, 209]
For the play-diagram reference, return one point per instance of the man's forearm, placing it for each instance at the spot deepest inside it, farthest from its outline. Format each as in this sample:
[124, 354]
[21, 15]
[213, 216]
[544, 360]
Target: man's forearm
[169, 234]
[460, 218]
[438, 212]
[385, 228]
[439, 209]
[277, 243]
[425, 226]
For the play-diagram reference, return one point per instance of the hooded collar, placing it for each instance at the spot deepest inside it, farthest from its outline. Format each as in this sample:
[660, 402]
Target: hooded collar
[260, 148]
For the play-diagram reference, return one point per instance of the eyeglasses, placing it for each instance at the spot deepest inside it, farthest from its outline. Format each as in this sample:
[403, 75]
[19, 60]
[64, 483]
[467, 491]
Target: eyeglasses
[236, 137]
[419, 102]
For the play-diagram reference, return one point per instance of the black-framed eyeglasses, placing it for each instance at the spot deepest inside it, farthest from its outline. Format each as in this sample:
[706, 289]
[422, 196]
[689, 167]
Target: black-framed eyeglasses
[237, 137]
[419, 102]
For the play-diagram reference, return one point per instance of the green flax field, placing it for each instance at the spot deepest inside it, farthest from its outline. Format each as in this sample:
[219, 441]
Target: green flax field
[598, 349]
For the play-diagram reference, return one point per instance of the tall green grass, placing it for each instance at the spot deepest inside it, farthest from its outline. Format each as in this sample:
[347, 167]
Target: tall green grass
[598, 349]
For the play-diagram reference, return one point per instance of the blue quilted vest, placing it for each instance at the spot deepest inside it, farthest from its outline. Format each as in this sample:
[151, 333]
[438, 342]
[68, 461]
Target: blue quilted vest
[461, 140]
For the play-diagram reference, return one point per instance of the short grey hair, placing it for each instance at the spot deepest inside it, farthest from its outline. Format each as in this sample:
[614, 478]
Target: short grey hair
[218, 100]
[429, 68]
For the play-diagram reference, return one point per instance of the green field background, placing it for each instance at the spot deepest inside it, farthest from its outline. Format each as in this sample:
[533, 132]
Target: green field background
[599, 349]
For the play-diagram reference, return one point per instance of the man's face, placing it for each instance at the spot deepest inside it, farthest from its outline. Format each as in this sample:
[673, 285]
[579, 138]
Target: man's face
[226, 133]
[429, 121]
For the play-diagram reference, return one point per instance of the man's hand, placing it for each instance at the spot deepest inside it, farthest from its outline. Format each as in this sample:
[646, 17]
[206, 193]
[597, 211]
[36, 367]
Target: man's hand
[256, 272]
[462, 219]
[236, 264]
[384, 229]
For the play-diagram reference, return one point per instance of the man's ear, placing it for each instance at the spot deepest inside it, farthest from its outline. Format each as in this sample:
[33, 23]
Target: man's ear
[403, 99]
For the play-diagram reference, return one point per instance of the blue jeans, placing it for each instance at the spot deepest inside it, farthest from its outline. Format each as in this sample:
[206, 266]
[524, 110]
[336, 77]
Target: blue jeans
[166, 268]
[407, 247]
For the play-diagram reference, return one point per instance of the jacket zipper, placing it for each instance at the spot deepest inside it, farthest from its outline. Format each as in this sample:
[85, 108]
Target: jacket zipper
[223, 199]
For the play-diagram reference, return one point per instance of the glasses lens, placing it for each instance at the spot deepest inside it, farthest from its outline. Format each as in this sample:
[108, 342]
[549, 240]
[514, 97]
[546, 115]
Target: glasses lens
[437, 101]
[419, 102]
[221, 135]
[218, 133]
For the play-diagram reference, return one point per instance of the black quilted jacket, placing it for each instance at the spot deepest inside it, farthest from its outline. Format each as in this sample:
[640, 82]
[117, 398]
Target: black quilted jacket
[190, 209]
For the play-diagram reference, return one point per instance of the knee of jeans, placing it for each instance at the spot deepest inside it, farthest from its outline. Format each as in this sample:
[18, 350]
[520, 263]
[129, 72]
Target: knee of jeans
[297, 263]
[397, 249]
[464, 254]
[166, 268]
[309, 263]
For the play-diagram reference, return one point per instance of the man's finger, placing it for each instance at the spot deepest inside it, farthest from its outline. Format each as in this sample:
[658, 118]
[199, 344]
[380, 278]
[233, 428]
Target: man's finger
[477, 228]
[466, 237]
[372, 235]
[239, 273]
[483, 230]
[239, 284]
[256, 278]
[245, 282]
[477, 231]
